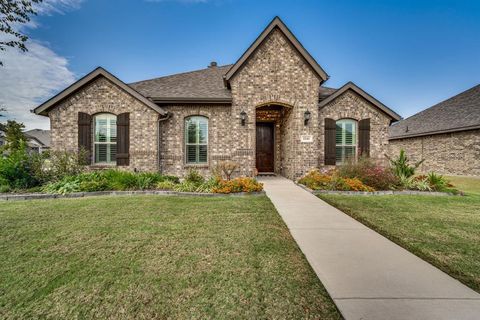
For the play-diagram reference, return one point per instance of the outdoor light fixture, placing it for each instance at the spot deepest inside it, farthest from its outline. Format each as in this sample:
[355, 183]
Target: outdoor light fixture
[243, 117]
[306, 117]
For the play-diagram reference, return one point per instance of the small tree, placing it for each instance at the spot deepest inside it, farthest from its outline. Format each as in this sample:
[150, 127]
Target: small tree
[13, 13]
[14, 137]
[227, 168]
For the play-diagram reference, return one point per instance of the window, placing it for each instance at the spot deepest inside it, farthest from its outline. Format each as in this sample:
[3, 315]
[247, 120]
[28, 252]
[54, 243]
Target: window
[346, 140]
[196, 139]
[105, 140]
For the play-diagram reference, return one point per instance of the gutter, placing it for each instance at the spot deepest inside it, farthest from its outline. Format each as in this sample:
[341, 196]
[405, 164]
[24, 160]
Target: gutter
[431, 133]
[159, 136]
[188, 100]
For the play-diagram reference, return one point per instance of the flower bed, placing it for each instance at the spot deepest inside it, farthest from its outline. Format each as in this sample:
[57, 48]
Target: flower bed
[367, 177]
[61, 172]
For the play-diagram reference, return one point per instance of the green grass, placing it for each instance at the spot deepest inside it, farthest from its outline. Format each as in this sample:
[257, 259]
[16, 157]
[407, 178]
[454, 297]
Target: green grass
[467, 184]
[154, 257]
[442, 230]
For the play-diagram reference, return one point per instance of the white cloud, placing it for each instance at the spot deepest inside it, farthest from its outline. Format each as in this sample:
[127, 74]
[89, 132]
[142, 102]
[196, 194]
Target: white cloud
[29, 78]
[26, 79]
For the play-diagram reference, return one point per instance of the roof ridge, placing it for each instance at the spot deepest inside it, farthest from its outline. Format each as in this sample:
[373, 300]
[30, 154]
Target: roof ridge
[180, 73]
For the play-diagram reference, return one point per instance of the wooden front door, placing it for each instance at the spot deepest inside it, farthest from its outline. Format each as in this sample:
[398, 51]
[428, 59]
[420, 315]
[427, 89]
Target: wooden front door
[264, 152]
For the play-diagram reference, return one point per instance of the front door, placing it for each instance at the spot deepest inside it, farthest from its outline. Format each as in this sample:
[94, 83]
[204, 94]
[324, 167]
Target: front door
[264, 153]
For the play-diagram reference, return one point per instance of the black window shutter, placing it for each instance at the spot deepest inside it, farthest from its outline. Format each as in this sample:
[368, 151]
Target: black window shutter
[330, 128]
[84, 135]
[123, 139]
[364, 137]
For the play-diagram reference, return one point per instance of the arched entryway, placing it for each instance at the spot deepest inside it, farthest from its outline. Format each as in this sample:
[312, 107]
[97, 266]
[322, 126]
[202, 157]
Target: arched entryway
[270, 136]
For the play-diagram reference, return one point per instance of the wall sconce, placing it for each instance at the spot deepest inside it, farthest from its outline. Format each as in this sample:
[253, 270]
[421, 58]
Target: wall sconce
[306, 117]
[243, 117]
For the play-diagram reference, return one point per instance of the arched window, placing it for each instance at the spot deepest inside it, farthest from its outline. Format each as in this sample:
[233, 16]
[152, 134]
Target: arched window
[346, 140]
[105, 139]
[196, 139]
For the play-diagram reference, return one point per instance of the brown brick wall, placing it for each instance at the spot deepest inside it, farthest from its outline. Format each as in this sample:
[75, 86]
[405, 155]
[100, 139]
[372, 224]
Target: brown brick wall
[455, 153]
[351, 105]
[172, 146]
[103, 96]
[276, 73]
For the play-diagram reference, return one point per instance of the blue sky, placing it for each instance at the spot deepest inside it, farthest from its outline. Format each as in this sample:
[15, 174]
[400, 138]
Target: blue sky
[408, 54]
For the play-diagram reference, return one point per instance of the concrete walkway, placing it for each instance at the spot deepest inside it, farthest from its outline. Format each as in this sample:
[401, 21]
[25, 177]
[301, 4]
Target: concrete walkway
[368, 276]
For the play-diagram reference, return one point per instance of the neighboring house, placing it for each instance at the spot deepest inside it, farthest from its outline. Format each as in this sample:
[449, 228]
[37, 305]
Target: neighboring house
[446, 136]
[269, 112]
[38, 140]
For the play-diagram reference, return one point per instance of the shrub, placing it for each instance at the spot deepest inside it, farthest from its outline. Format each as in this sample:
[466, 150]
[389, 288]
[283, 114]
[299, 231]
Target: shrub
[166, 185]
[401, 165]
[194, 177]
[226, 168]
[55, 165]
[108, 180]
[316, 180]
[16, 169]
[371, 174]
[238, 185]
[333, 181]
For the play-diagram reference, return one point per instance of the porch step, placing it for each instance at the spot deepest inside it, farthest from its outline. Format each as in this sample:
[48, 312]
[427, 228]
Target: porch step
[266, 174]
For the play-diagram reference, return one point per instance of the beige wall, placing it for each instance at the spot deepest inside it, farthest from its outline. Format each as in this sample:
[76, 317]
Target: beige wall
[455, 153]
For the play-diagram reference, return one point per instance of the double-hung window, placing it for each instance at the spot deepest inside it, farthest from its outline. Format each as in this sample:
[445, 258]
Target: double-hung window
[105, 139]
[196, 140]
[346, 140]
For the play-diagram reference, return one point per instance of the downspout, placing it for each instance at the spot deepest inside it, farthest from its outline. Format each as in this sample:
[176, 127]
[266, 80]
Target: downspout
[159, 137]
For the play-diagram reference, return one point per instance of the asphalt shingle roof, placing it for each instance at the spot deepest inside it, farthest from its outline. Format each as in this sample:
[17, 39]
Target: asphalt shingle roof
[205, 83]
[461, 112]
[43, 136]
[200, 84]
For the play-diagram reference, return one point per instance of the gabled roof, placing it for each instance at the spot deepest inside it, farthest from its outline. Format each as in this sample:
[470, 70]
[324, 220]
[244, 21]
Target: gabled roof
[51, 103]
[197, 86]
[42, 136]
[277, 23]
[458, 113]
[352, 86]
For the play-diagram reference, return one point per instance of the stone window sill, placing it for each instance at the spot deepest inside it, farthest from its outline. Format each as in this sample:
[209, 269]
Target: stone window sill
[196, 166]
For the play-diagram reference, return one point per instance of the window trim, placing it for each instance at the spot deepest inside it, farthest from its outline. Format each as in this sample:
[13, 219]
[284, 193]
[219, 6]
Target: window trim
[343, 145]
[198, 144]
[108, 116]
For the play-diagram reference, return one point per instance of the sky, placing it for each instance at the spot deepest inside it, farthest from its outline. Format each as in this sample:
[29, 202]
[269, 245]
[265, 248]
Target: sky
[408, 54]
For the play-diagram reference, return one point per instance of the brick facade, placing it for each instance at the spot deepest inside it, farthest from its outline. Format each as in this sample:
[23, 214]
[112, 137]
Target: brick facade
[103, 96]
[276, 74]
[352, 106]
[172, 146]
[274, 84]
[456, 153]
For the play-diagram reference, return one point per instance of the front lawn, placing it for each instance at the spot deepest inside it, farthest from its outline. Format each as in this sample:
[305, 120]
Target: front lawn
[442, 230]
[154, 257]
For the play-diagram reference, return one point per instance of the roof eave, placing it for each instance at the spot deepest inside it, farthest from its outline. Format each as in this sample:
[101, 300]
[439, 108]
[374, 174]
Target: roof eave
[352, 86]
[99, 71]
[430, 133]
[190, 100]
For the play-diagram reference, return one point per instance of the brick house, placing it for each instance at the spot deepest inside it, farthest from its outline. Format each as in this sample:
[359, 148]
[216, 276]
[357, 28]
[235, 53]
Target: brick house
[446, 136]
[269, 112]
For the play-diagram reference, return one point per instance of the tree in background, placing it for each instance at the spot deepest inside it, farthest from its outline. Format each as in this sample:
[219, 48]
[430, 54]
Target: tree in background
[14, 137]
[13, 13]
